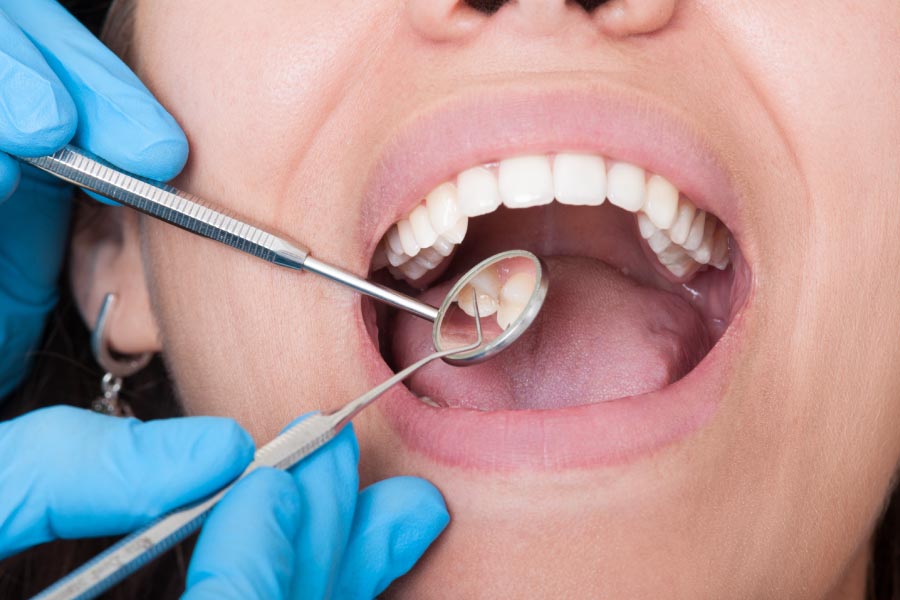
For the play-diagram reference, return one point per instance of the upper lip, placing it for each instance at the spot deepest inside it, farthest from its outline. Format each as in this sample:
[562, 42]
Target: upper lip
[483, 124]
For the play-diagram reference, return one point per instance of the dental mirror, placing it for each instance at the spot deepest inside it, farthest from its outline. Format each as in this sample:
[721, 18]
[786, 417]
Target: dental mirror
[508, 289]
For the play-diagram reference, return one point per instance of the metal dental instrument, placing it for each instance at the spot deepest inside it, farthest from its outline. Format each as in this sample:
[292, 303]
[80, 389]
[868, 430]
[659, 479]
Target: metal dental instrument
[189, 212]
[138, 549]
[193, 214]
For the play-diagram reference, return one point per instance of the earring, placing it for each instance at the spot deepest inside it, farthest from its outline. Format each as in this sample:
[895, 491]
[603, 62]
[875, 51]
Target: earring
[108, 402]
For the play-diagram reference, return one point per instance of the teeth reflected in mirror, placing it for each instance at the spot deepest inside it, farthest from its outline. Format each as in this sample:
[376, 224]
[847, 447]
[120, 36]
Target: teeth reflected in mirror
[508, 290]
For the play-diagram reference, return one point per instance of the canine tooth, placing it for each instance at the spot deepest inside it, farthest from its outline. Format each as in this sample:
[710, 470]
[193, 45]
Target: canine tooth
[579, 179]
[421, 225]
[695, 235]
[457, 233]
[659, 241]
[704, 251]
[395, 259]
[661, 202]
[625, 186]
[679, 230]
[443, 207]
[407, 237]
[645, 226]
[487, 305]
[508, 313]
[393, 238]
[478, 192]
[526, 181]
[443, 247]
[517, 289]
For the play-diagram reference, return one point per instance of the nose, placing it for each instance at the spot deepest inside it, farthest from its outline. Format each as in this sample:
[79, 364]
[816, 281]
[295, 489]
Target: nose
[444, 20]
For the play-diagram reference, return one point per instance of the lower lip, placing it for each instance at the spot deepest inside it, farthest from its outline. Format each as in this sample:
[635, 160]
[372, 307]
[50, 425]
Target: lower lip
[592, 435]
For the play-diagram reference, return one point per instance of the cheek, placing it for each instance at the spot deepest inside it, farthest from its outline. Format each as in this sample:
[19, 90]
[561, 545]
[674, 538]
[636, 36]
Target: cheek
[238, 337]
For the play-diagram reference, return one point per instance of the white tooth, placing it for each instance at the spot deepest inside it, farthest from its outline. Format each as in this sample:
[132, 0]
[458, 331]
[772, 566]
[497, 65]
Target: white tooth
[432, 255]
[421, 225]
[457, 233]
[704, 251]
[682, 269]
[443, 207]
[508, 313]
[678, 233]
[646, 228]
[443, 247]
[661, 201]
[579, 179]
[526, 181]
[487, 282]
[380, 259]
[393, 238]
[695, 235]
[407, 237]
[478, 192]
[517, 289]
[659, 241]
[413, 270]
[424, 261]
[395, 259]
[487, 305]
[719, 258]
[625, 186]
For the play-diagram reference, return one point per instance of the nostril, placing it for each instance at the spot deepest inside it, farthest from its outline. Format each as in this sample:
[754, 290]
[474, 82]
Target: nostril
[489, 7]
[590, 5]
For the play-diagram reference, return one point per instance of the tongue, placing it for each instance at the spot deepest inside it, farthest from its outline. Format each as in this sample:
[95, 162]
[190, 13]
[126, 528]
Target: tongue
[600, 336]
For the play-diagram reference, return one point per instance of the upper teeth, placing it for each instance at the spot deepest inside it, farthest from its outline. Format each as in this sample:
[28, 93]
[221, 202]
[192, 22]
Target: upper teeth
[683, 237]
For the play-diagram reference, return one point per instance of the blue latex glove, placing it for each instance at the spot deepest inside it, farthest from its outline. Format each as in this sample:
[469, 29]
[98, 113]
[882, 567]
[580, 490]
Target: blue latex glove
[312, 535]
[304, 534]
[57, 81]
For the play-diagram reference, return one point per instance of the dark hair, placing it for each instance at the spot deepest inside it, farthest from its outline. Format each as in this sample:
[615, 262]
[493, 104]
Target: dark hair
[65, 373]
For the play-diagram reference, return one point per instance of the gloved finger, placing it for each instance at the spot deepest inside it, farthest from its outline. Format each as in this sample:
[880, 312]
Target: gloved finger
[246, 549]
[71, 473]
[395, 522]
[10, 175]
[37, 114]
[118, 118]
[329, 483]
[33, 227]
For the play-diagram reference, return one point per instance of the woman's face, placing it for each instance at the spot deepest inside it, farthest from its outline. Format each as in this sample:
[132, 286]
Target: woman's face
[760, 474]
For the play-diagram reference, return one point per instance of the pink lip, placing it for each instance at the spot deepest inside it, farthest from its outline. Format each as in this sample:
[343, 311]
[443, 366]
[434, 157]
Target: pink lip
[618, 124]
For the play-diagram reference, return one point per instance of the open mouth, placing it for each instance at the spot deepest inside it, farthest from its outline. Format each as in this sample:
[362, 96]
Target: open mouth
[643, 283]
[642, 226]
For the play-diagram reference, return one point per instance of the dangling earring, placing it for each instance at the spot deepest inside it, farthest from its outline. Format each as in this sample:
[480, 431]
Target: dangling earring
[116, 370]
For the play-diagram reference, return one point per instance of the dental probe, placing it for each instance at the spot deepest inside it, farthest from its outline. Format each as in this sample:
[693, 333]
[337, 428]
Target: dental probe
[140, 548]
[192, 213]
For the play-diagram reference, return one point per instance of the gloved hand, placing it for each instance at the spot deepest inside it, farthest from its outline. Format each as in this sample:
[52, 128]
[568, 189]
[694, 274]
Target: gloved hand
[310, 535]
[57, 81]
[70, 473]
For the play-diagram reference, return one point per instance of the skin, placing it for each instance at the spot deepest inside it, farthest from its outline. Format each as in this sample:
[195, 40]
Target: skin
[776, 497]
